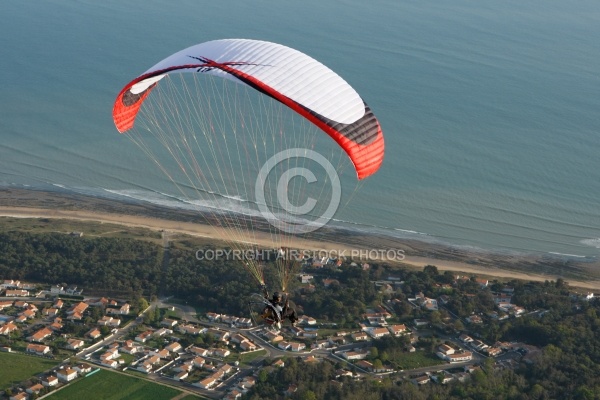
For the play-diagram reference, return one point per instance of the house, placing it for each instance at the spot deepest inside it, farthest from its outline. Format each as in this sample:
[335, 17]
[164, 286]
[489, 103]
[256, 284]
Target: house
[460, 357]
[273, 336]
[397, 330]
[421, 380]
[218, 335]
[221, 352]
[162, 332]
[283, 345]
[306, 320]
[445, 350]
[109, 363]
[474, 319]
[206, 383]
[123, 310]
[56, 326]
[479, 345]
[16, 293]
[164, 353]
[10, 283]
[359, 336]
[109, 321]
[83, 368]
[130, 347]
[320, 344]
[376, 333]
[294, 346]
[181, 375]
[40, 335]
[247, 345]
[493, 351]
[421, 322]
[49, 381]
[313, 334]
[244, 322]
[66, 375]
[291, 390]
[353, 355]
[279, 363]
[142, 337]
[465, 338]
[56, 289]
[78, 308]
[173, 347]
[5, 304]
[8, 329]
[482, 282]
[247, 382]
[364, 364]
[76, 316]
[213, 317]
[58, 304]
[430, 305]
[237, 338]
[169, 323]
[296, 331]
[74, 344]
[228, 319]
[29, 313]
[110, 354]
[189, 330]
[187, 366]
[94, 333]
[144, 367]
[199, 362]
[199, 351]
[36, 388]
[442, 377]
[51, 312]
[305, 278]
[19, 396]
[233, 395]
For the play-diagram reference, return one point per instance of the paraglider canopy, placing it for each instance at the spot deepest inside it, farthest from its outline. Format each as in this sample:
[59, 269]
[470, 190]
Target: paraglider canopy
[289, 76]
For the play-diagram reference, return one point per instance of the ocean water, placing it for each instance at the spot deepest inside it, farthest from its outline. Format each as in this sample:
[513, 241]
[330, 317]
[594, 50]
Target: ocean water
[490, 110]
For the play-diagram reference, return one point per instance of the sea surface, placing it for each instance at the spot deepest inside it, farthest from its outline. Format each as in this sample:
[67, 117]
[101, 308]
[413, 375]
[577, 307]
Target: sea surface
[490, 110]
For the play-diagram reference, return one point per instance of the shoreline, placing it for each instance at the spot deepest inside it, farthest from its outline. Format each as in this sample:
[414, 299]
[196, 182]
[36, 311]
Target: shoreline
[22, 203]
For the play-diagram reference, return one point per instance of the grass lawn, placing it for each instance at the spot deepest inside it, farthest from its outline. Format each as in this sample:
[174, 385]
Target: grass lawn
[245, 358]
[19, 367]
[107, 385]
[127, 357]
[418, 359]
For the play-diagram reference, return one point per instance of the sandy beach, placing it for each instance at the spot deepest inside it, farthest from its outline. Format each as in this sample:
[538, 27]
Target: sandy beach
[32, 204]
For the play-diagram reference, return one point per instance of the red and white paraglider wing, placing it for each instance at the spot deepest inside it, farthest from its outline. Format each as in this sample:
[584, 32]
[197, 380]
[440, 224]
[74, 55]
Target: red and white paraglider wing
[287, 75]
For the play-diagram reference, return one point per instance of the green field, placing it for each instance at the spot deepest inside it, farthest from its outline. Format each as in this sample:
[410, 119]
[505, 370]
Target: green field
[417, 359]
[107, 385]
[19, 367]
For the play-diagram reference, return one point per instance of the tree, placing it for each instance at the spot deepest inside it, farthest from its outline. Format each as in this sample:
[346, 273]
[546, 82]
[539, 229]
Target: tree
[458, 325]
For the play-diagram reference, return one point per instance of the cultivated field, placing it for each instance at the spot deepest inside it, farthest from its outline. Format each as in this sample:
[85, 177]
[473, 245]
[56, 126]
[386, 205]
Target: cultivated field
[19, 367]
[106, 385]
